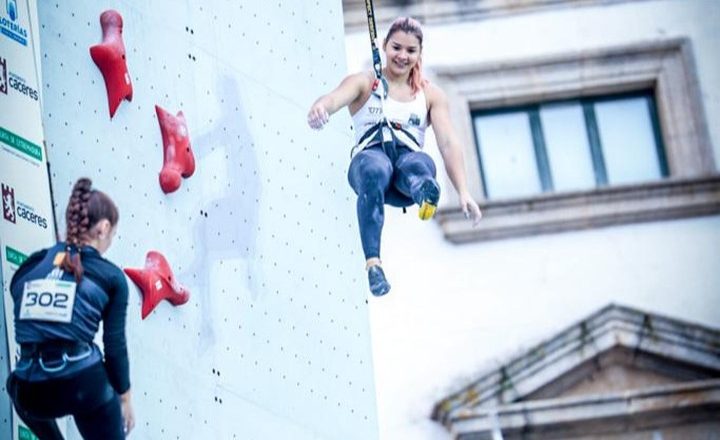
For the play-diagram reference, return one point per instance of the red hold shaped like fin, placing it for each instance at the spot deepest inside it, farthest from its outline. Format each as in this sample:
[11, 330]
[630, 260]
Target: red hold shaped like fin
[156, 283]
[109, 56]
[178, 158]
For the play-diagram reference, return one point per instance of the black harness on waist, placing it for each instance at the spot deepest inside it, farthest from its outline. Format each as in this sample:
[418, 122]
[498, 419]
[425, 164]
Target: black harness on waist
[373, 138]
[53, 349]
[398, 136]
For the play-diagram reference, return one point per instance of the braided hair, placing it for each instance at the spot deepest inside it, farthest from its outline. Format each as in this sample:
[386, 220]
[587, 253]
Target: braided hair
[86, 207]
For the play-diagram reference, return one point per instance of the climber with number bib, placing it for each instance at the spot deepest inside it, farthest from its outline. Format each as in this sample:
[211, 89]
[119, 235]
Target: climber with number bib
[60, 296]
[391, 108]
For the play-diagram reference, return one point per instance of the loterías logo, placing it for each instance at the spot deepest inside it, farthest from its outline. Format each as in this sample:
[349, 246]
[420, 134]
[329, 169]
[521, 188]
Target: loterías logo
[3, 76]
[11, 8]
[10, 25]
[8, 202]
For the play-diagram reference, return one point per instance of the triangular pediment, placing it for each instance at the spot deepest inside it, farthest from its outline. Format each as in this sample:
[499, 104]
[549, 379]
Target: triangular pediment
[614, 351]
[612, 378]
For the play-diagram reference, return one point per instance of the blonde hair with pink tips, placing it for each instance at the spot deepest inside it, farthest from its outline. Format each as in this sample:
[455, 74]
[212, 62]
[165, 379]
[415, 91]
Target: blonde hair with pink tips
[410, 26]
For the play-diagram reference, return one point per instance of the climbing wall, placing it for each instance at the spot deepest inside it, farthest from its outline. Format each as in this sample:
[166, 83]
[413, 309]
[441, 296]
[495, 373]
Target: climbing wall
[274, 341]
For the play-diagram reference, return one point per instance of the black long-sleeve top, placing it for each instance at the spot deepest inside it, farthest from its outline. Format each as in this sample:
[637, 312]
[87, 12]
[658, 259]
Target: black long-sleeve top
[102, 295]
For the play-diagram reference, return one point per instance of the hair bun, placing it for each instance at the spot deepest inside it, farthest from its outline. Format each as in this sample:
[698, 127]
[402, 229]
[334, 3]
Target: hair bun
[83, 184]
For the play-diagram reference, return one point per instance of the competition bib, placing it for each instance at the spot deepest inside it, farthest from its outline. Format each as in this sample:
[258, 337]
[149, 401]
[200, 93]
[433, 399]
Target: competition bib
[48, 300]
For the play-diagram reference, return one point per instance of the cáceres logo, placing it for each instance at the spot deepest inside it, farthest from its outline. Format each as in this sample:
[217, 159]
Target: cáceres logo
[12, 80]
[8, 202]
[13, 208]
[3, 76]
[17, 82]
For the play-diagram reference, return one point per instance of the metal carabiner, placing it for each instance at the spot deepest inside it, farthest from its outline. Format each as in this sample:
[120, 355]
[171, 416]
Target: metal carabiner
[24, 364]
[53, 369]
[78, 357]
[65, 360]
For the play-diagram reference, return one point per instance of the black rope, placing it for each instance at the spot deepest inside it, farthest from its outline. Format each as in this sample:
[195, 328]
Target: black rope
[377, 62]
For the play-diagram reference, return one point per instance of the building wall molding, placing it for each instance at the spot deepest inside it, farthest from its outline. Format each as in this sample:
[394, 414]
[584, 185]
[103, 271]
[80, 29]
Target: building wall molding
[454, 11]
[654, 201]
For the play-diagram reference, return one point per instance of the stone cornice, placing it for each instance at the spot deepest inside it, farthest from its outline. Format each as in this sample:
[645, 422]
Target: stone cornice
[671, 404]
[663, 200]
[647, 340]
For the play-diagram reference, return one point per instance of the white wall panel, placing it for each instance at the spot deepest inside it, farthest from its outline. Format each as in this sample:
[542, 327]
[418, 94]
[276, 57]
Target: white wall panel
[274, 342]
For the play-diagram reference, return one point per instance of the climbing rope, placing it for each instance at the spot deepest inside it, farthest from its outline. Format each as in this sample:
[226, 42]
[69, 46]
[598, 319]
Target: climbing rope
[379, 83]
[377, 61]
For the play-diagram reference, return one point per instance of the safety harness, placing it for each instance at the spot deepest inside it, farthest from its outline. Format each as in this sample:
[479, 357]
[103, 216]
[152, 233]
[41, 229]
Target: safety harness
[53, 356]
[398, 135]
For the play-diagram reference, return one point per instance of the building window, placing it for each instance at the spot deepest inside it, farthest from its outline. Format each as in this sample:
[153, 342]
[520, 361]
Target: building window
[569, 145]
[586, 139]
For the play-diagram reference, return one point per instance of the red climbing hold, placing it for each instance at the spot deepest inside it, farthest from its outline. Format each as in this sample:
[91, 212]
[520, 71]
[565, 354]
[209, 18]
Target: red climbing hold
[178, 156]
[109, 56]
[156, 283]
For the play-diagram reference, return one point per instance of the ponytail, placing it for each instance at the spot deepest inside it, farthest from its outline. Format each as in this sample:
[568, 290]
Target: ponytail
[416, 79]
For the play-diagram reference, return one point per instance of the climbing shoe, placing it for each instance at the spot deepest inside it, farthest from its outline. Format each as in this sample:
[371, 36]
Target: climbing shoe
[429, 194]
[378, 284]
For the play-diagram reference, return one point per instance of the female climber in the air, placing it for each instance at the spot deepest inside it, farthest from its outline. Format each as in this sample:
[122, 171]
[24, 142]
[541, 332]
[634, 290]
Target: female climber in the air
[389, 165]
[61, 295]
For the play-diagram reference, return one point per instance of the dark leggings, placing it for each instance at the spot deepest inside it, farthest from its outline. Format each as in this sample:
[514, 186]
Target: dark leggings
[374, 177]
[87, 396]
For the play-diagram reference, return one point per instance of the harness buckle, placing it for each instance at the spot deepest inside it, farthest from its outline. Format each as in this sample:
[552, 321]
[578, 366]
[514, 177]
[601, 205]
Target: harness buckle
[377, 84]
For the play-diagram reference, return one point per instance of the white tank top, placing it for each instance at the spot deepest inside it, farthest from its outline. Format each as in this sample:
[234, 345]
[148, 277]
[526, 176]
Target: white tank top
[412, 116]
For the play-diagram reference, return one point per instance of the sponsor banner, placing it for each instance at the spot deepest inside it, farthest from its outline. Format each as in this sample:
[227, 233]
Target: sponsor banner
[26, 224]
[19, 128]
[20, 92]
